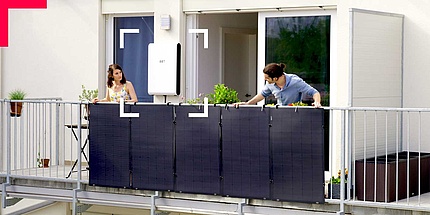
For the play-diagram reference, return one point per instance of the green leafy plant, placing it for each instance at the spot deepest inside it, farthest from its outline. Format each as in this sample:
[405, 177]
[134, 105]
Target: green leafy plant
[336, 180]
[88, 95]
[197, 100]
[223, 95]
[17, 94]
[39, 160]
[299, 103]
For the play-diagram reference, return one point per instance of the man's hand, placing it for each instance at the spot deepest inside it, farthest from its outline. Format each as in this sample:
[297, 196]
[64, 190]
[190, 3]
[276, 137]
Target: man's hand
[316, 104]
[236, 105]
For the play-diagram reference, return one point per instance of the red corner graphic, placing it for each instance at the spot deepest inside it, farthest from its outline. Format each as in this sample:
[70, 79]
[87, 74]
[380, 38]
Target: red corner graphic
[5, 5]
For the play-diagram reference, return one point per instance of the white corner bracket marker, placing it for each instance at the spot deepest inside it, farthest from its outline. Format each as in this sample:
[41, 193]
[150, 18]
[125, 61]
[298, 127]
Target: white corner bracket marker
[205, 110]
[205, 36]
[121, 110]
[125, 31]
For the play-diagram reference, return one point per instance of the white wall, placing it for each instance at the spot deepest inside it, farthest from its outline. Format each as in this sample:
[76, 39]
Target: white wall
[415, 51]
[175, 34]
[52, 52]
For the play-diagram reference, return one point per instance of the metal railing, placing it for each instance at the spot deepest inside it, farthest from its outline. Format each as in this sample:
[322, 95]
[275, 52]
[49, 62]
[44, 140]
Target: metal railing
[45, 130]
[383, 150]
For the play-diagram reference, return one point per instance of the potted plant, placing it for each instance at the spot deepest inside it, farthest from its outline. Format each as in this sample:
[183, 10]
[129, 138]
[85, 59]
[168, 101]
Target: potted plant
[221, 95]
[88, 96]
[16, 107]
[42, 162]
[334, 185]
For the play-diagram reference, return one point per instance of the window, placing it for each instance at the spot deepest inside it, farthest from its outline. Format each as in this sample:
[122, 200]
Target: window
[133, 56]
[303, 44]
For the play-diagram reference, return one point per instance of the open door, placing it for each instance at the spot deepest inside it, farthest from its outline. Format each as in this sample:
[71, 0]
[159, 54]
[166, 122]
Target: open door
[239, 61]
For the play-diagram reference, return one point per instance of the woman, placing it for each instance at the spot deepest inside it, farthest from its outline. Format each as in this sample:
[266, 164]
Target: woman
[118, 87]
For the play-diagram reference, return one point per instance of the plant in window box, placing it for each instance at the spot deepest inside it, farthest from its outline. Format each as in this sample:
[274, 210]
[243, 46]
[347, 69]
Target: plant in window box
[334, 185]
[16, 107]
[299, 103]
[88, 96]
[221, 95]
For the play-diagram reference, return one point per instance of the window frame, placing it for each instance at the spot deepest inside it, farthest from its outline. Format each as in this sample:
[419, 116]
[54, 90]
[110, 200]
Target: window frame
[261, 56]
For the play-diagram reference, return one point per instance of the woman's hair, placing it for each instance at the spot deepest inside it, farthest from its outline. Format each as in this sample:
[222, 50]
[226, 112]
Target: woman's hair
[110, 80]
[274, 70]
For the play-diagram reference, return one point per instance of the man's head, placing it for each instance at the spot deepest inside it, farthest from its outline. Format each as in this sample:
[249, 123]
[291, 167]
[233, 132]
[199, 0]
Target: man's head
[273, 71]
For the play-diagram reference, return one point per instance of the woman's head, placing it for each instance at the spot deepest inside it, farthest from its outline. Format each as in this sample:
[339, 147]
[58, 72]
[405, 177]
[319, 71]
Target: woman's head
[115, 73]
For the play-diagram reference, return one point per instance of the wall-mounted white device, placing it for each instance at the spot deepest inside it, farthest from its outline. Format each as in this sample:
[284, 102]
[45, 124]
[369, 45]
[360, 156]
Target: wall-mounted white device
[164, 68]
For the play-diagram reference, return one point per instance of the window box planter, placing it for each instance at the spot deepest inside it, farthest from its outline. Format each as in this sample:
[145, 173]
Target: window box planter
[386, 167]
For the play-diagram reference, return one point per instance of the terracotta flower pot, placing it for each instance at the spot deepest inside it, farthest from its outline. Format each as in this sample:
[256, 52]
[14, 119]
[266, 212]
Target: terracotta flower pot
[15, 109]
[45, 163]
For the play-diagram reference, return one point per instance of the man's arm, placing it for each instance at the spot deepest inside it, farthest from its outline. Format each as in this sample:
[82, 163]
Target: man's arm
[317, 100]
[254, 100]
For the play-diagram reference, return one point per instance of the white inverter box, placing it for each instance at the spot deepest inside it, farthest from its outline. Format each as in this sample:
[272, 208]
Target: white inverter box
[164, 65]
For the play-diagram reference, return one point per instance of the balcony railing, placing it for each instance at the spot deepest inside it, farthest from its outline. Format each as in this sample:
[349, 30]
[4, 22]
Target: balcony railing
[385, 151]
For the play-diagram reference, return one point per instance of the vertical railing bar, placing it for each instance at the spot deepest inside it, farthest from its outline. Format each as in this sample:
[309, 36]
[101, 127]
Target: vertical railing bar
[386, 156]
[50, 137]
[342, 163]
[27, 155]
[397, 155]
[376, 156]
[15, 142]
[365, 152]
[8, 147]
[79, 122]
[331, 154]
[407, 160]
[42, 121]
[71, 137]
[21, 142]
[26, 138]
[348, 180]
[57, 136]
[64, 140]
[419, 158]
[37, 136]
[353, 156]
[44, 136]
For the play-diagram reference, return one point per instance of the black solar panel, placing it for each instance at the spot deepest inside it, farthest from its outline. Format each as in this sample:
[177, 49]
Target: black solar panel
[109, 146]
[297, 141]
[152, 147]
[245, 152]
[197, 151]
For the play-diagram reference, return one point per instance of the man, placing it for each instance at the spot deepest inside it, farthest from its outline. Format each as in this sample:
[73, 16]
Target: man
[287, 88]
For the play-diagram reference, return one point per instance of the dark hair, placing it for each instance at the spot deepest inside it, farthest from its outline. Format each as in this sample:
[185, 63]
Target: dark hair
[274, 70]
[110, 80]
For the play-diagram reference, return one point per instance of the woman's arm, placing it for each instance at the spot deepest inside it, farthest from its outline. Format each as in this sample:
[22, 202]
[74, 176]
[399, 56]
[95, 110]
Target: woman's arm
[105, 99]
[130, 90]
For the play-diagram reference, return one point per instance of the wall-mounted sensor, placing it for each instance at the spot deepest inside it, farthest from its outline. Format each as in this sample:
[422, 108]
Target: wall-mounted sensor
[165, 22]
